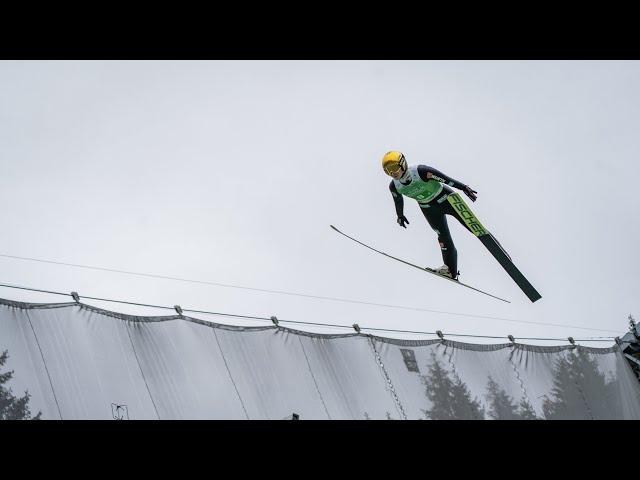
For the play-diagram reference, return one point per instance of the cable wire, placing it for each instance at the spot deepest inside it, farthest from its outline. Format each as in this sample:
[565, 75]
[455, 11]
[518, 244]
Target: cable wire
[594, 339]
[318, 297]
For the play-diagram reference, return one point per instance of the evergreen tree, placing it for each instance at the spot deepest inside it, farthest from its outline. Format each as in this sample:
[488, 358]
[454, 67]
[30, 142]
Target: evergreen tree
[450, 397]
[501, 406]
[11, 407]
[580, 391]
[526, 411]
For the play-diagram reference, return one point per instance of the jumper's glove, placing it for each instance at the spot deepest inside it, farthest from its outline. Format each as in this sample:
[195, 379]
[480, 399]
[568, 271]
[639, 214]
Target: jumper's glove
[469, 192]
[402, 220]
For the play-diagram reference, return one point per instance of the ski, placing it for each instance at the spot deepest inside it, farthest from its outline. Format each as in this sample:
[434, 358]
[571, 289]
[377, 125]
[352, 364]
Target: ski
[494, 247]
[424, 269]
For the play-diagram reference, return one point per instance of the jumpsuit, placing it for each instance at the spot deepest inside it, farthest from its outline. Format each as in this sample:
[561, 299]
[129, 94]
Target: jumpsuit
[425, 185]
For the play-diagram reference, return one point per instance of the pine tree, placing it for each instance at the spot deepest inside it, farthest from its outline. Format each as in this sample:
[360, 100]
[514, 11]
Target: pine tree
[581, 391]
[11, 407]
[450, 397]
[501, 406]
[526, 411]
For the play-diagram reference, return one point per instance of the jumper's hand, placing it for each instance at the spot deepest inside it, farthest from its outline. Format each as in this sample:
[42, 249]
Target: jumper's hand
[469, 192]
[402, 220]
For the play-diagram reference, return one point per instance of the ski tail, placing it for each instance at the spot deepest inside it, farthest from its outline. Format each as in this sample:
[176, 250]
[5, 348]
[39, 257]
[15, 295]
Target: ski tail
[503, 259]
[494, 247]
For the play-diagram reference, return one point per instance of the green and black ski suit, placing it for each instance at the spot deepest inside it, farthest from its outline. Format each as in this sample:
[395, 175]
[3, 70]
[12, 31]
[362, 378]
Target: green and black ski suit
[430, 188]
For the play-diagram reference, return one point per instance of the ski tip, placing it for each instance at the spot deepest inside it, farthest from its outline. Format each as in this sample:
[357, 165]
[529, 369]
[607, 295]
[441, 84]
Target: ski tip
[333, 228]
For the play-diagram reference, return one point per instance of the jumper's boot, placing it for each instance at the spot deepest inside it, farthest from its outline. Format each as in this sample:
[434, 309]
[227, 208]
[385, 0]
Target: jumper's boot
[444, 270]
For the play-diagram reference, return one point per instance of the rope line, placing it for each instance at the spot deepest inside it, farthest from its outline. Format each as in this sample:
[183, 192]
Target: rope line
[295, 294]
[592, 339]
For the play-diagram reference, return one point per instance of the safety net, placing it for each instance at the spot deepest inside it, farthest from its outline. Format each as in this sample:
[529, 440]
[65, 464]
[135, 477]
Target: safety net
[81, 362]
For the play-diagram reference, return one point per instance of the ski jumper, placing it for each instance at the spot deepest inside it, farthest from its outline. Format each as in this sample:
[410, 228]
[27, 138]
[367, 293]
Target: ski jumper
[430, 188]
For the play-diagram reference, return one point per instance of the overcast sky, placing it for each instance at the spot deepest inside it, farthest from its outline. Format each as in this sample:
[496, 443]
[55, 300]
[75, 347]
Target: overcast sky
[232, 171]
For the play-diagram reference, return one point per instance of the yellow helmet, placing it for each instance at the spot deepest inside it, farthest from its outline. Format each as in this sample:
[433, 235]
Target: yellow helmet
[394, 161]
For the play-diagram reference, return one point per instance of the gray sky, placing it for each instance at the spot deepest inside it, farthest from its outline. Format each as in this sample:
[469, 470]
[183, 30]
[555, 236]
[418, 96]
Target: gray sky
[232, 171]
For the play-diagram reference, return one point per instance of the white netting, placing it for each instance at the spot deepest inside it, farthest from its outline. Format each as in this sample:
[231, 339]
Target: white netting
[80, 362]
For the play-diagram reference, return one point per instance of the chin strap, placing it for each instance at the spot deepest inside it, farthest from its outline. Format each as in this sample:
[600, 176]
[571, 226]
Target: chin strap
[405, 175]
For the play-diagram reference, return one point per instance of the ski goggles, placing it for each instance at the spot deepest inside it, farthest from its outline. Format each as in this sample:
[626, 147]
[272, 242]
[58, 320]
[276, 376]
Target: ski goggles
[396, 167]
